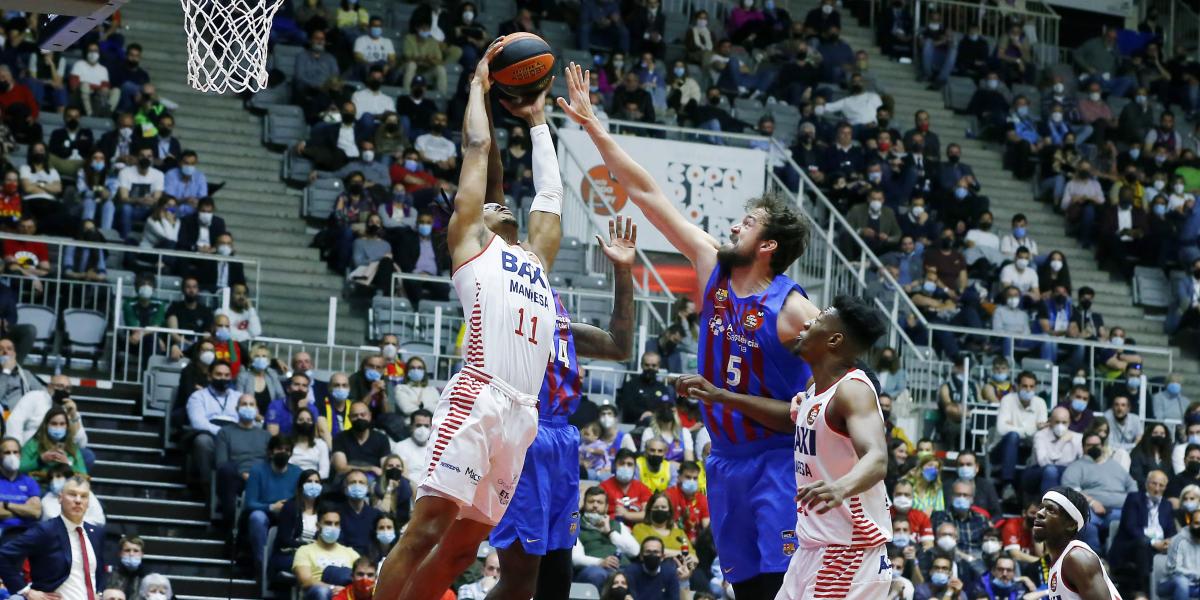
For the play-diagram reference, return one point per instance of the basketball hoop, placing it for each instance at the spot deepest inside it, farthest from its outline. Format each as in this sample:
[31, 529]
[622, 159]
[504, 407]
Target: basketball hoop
[227, 43]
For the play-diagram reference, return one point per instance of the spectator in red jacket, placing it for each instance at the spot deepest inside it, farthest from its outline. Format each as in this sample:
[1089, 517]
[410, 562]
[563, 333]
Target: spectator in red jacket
[31, 259]
[411, 173]
[627, 497]
[691, 505]
[20, 108]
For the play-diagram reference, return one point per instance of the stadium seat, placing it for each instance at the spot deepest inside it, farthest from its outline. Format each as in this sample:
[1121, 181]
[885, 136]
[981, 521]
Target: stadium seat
[584, 591]
[284, 125]
[957, 93]
[1151, 288]
[44, 322]
[85, 333]
[603, 377]
[391, 315]
[319, 198]
[295, 168]
[265, 99]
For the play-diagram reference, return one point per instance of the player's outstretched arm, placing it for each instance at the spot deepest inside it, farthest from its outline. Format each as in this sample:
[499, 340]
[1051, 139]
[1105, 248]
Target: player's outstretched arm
[855, 407]
[617, 342]
[1086, 575]
[693, 242]
[772, 413]
[466, 229]
[545, 221]
[495, 168]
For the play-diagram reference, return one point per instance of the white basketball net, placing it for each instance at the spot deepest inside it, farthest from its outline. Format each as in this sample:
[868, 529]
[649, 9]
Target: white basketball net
[227, 43]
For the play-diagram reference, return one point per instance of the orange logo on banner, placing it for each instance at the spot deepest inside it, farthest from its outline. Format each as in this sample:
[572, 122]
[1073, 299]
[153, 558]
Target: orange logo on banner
[609, 190]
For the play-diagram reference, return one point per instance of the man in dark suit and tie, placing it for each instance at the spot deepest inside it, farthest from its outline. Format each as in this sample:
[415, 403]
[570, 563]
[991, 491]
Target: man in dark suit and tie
[65, 554]
[1147, 526]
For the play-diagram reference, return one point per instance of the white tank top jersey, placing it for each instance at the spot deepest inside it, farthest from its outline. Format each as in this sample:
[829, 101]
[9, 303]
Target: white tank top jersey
[1059, 590]
[823, 453]
[510, 314]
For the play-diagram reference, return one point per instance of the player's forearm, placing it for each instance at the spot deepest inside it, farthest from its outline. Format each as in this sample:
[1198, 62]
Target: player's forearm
[773, 413]
[495, 169]
[545, 222]
[617, 342]
[868, 471]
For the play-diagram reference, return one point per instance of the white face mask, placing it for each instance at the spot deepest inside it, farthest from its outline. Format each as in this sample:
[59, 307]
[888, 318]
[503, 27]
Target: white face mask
[1056, 265]
[875, 206]
[156, 596]
[368, 155]
[1013, 301]
[1159, 184]
[903, 502]
[420, 434]
[468, 16]
[946, 543]
[205, 218]
[1059, 429]
[917, 211]
[1179, 188]
[93, 57]
[991, 547]
[225, 250]
[1058, 88]
[1022, 263]
[12, 462]
[607, 421]
[1094, 96]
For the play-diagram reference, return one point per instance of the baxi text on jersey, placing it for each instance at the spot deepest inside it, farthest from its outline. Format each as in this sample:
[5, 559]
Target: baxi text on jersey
[508, 261]
[806, 441]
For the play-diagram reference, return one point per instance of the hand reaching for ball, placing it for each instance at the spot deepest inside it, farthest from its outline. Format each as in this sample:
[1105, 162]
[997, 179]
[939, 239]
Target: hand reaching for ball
[531, 109]
[483, 74]
[579, 109]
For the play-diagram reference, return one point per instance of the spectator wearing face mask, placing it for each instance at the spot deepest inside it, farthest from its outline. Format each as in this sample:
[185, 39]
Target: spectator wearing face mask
[239, 447]
[654, 576]
[324, 551]
[333, 408]
[690, 504]
[1002, 582]
[139, 187]
[919, 527]
[155, 586]
[627, 497]
[261, 380]
[415, 392]
[271, 483]
[128, 573]
[1136, 119]
[604, 544]
[423, 55]
[412, 449]
[362, 447]
[209, 409]
[392, 493]
[968, 519]
[199, 232]
[141, 311]
[1105, 484]
[947, 568]
[641, 393]
[374, 171]
[1183, 560]
[1170, 403]
[281, 412]
[57, 476]
[88, 82]
[358, 516]
[1147, 526]
[1054, 448]
[367, 385]
[374, 55]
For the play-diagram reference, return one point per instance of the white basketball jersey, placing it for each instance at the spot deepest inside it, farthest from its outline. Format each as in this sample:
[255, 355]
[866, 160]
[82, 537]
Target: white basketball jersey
[823, 453]
[510, 314]
[1059, 589]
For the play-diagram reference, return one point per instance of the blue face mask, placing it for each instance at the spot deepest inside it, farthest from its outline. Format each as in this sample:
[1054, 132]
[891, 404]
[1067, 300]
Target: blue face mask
[260, 363]
[56, 486]
[330, 535]
[376, 32]
[188, 170]
[940, 579]
[1019, 233]
[624, 474]
[247, 413]
[960, 503]
[372, 375]
[929, 287]
[1134, 382]
[967, 473]
[131, 562]
[1023, 111]
[1160, 209]
[416, 375]
[223, 334]
[424, 229]
[1174, 388]
[340, 394]
[1079, 405]
[679, 71]
[1001, 585]
[900, 540]
[960, 193]
[930, 474]
[356, 491]
[1000, 377]
[312, 489]
[411, 165]
[97, 165]
[1025, 395]
[386, 537]
[56, 433]
[690, 486]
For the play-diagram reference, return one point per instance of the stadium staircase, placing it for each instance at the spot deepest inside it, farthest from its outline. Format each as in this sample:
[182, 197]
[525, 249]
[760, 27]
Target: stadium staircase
[263, 214]
[1009, 195]
[141, 488]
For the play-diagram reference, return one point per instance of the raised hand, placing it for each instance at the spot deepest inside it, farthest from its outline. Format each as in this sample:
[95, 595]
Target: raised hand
[529, 108]
[483, 73]
[621, 248]
[579, 109]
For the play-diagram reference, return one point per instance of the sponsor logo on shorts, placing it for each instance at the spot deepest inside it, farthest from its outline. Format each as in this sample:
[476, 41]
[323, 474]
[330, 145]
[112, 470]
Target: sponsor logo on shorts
[574, 523]
[533, 540]
[505, 497]
[727, 570]
[450, 467]
[475, 477]
[789, 541]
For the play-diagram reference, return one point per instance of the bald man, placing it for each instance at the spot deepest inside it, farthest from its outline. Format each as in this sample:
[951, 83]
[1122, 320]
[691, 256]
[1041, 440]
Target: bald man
[29, 411]
[1054, 447]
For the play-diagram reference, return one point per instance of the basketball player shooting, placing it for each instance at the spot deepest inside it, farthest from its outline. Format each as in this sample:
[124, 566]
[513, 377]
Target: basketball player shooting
[487, 416]
[538, 532]
[840, 461]
[1076, 572]
[750, 316]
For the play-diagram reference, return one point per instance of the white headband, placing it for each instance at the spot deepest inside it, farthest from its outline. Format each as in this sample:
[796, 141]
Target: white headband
[1067, 506]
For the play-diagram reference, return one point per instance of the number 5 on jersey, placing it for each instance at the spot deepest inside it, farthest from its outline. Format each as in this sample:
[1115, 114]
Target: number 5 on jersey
[733, 372]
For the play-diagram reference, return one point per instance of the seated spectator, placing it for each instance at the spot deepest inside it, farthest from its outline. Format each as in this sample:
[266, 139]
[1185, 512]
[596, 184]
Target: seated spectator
[311, 560]
[1100, 60]
[333, 408]
[1003, 582]
[367, 385]
[140, 312]
[604, 543]
[41, 187]
[1152, 452]
[163, 142]
[666, 427]
[1019, 274]
[1126, 428]
[999, 381]
[209, 409]
[411, 173]
[893, 379]
[358, 516]
[1121, 232]
[698, 39]
[690, 504]
[660, 523]
[71, 145]
[296, 521]
[372, 259]
[639, 395]
[941, 584]
[875, 223]
[162, 227]
[27, 413]
[281, 412]
[423, 55]
[653, 576]
[1053, 272]
[437, 151]
[1136, 119]
[392, 493]
[362, 447]
[412, 449]
[270, 483]
[199, 232]
[415, 392]
[1054, 319]
[138, 190]
[938, 51]
[1054, 448]
[920, 528]
[1096, 113]
[331, 145]
[314, 77]
[858, 107]
[368, 164]
[602, 17]
[88, 82]
[1147, 526]
[628, 498]
[19, 107]
[969, 520]
[653, 469]
[926, 480]
[1170, 403]
[1022, 415]
[126, 576]
[1078, 401]
[19, 492]
[478, 589]
[1183, 560]
[1023, 140]
[1010, 318]
[1104, 482]
[951, 397]
[186, 183]
[261, 380]
[1019, 237]
[239, 448]
[374, 53]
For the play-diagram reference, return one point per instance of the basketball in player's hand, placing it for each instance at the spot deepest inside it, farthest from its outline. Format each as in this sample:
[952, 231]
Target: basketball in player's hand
[524, 66]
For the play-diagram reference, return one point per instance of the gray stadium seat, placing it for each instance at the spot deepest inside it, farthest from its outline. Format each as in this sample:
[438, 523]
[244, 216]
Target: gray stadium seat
[320, 197]
[98, 125]
[285, 57]
[263, 100]
[44, 322]
[558, 35]
[284, 125]
[1151, 288]
[957, 93]
[85, 332]
[391, 315]
[584, 591]
[295, 168]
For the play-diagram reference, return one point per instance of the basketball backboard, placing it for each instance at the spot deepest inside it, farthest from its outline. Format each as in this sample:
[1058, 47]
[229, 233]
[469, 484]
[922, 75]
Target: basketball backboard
[65, 21]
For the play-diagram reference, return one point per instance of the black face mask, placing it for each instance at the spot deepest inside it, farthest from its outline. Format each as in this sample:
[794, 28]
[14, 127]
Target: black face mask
[164, 132]
[856, 89]
[394, 473]
[361, 424]
[916, 147]
[4, 85]
[654, 462]
[660, 516]
[143, 163]
[1060, 298]
[946, 243]
[392, 127]
[617, 593]
[954, 158]
[304, 428]
[280, 459]
[297, 395]
[61, 395]
[1085, 304]
[417, 92]
[1192, 468]
[714, 100]
[72, 124]
[651, 562]
[373, 229]
[133, 64]
[374, 84]
[219, 384]
[1095, 452]
[37, 158]
[437, 128]
[887, 415]
[355, 188]
[985, 225]
[649, 374]
[347, 118]
[1125, 204]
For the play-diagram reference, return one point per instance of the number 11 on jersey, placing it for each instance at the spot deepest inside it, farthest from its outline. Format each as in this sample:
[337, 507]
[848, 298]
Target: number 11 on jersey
[521, 326]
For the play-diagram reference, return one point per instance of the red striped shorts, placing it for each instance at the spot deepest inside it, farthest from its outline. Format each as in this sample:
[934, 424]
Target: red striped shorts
[837, 572]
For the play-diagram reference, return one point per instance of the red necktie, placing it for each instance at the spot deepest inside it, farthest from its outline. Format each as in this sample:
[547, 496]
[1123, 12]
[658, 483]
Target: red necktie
[87, 566]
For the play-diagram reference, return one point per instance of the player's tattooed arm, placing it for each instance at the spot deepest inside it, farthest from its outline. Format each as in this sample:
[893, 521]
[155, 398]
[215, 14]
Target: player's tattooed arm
[770, 412]
[855, 410]
[617, 342]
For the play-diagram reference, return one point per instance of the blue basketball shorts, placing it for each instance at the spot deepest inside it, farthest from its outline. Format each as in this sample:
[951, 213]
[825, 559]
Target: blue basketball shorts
[752, 500]
[544, 513]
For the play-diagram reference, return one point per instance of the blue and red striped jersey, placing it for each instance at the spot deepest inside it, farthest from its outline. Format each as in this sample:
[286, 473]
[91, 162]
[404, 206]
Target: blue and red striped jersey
[560, 388]
[740, 351]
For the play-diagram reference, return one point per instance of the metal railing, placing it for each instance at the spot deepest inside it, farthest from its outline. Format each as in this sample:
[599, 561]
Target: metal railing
[1039, 22]
[1181, 25]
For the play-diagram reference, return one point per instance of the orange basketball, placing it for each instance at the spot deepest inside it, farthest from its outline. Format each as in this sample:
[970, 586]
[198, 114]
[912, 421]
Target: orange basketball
[524, 66]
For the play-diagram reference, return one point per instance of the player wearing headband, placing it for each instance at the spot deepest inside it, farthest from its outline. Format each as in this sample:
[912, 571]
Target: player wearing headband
[1077, 573]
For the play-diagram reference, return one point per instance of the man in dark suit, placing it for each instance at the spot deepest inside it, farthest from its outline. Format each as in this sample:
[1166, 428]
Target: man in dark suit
[1141, 537]
[165, 145]
[198, 232]
[54, 547]
[423, 252]
[121, 144]
[70, 145]
[647, 28]
[324, 146]
[214, 275]
[951, 172]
